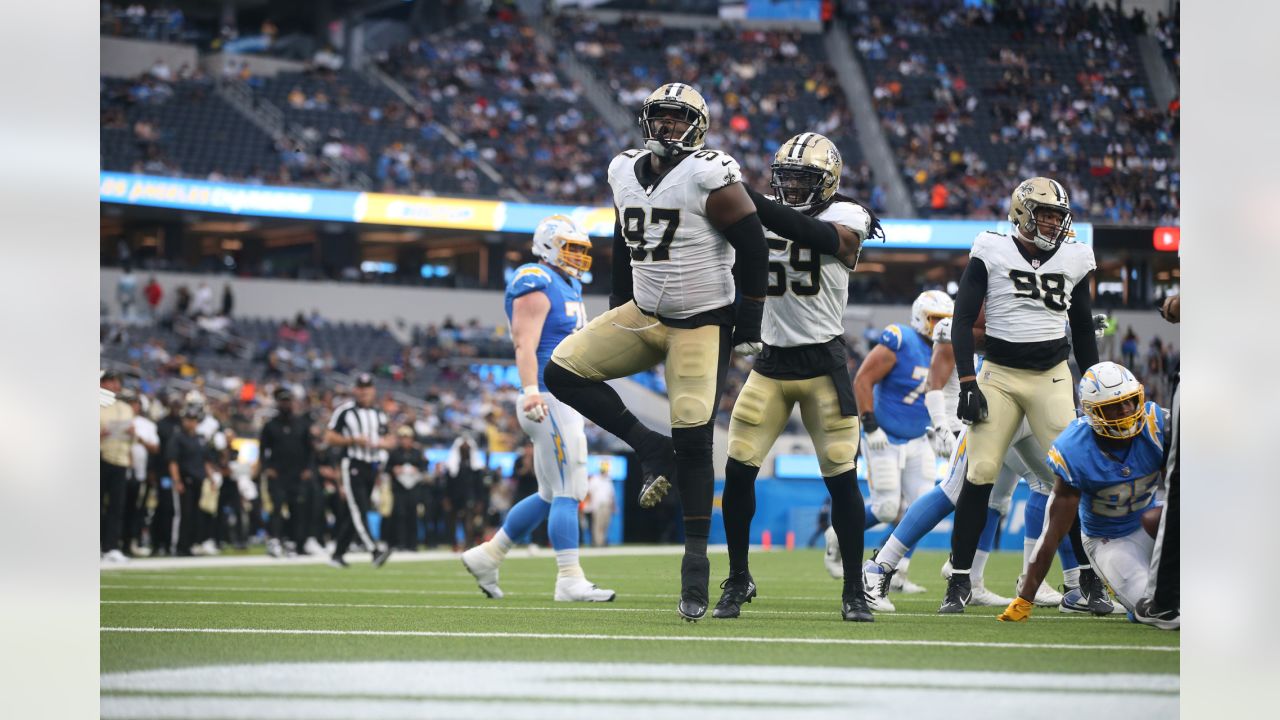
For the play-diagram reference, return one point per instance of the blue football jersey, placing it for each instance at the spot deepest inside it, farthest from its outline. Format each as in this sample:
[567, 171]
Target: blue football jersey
[1115, 488]
[899, 396]
[567, 313]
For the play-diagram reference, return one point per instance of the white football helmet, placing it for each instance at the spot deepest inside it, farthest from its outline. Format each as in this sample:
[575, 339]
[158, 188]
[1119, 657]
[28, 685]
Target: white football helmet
[1034, 194]
[558, 242]
[928, 309]
[1113, 400]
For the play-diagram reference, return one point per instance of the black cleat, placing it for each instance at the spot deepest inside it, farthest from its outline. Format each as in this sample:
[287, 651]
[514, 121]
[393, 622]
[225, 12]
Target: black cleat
[1148, 613]
[854, 607]
[958, 594]
[380, 556]
[695, 573]
[1095, 593]
[659, 465]
[738, 589]
[337, 562]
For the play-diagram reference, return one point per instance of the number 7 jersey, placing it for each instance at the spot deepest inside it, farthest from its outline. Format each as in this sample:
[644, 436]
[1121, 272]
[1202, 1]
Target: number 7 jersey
[680, 264]
[1028, 299]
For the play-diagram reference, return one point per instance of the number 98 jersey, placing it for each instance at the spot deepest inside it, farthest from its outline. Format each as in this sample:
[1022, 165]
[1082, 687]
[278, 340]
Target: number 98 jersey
[680, 264]
[808, 291]
[1027, 300]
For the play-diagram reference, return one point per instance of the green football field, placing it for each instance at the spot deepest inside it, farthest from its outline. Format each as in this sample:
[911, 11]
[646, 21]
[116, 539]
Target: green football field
[417, 639]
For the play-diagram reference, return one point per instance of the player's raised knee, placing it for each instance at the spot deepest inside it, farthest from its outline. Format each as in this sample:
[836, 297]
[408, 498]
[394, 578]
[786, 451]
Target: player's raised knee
[886, 510]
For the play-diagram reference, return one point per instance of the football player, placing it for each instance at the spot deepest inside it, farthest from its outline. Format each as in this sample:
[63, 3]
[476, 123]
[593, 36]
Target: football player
[544, 305]
[815, 236]
[893, 381]
[684, 222]
[1107, 464]
[1033, 282]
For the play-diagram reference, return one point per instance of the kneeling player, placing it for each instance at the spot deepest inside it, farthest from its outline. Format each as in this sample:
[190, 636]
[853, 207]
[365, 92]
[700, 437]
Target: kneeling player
[1108, 464]
[815, 236]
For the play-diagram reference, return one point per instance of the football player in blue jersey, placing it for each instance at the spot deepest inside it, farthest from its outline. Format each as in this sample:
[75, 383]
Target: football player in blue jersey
[544, 305]
[893, 381]
[1108, 465]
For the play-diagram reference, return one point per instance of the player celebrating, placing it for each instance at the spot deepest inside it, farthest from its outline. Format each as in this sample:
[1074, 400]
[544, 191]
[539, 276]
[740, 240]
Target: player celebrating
[683, 219]
[1033, 281]
[544, 305]
[815, 236]
[1112, 459]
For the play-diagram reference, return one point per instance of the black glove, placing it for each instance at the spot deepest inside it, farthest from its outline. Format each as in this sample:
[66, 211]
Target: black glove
[973, 406]
[746, 326]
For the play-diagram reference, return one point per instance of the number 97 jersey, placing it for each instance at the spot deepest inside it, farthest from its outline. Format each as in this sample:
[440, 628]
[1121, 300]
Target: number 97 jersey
[1028, 298]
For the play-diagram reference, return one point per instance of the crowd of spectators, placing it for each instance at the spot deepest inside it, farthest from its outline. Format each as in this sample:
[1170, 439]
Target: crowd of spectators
[974, 99]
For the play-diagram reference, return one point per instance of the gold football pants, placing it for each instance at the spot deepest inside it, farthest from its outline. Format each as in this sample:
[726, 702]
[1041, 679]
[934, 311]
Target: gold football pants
[1043, 397]
[763, 407]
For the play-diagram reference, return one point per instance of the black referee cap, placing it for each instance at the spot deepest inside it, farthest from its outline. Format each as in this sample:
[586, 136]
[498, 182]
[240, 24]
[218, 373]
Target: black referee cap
[364, 380]
[283, 393]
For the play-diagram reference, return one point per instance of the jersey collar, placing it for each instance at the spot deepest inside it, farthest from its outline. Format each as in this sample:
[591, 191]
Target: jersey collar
[1037, 259]
[645, 176]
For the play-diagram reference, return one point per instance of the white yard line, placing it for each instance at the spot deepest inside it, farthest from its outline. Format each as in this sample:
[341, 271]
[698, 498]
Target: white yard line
[645, 638]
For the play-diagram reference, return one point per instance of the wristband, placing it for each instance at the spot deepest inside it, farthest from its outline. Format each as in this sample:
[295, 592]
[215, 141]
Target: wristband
[936, 403]
[869, 423]
[530, 390]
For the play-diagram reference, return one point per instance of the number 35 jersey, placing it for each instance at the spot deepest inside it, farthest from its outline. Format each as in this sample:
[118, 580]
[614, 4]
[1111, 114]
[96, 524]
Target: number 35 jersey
[1028, 299]
[1115, 489]
[807, 290]
[680, 264]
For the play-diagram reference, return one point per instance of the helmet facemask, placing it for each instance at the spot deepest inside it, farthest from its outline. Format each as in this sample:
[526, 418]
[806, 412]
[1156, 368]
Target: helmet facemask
[799, 186]
[573, 254]
[1034, 228]
[1118, 418]
[666, 142]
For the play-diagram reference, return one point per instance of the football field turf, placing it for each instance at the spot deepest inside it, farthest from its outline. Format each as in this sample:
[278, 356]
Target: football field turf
[417, 639]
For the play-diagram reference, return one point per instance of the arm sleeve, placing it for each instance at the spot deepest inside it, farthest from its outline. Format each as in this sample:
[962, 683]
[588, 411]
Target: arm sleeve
[1080, 315]
[622, 290]
[817, 235]
[973, 289]
[752, 262]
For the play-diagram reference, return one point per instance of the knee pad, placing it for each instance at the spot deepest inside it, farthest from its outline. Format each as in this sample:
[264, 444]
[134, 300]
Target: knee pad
[841, 453]
[748, 413]
[695, 360]
[693, 443]
[982, 472]
[885, 508]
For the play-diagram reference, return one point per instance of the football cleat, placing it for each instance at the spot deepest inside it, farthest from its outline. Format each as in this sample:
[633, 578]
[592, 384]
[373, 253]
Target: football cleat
[659, 473]
[115, 556]
[312, 547]
[484, 569]
[1045, 595]
[1095, 593]
[981, 596]
[695, 573]
[380, 556]
[833, 560]
[1148, 613]
[274, 548]
[337, 562]
[876, 578]
[958, 595]
[738, 589]
[1073, 601]
[210, 547]
[580, 589]
[853, 607]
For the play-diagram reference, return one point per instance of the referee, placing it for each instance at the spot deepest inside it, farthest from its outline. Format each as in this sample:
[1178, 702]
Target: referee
[360, 430]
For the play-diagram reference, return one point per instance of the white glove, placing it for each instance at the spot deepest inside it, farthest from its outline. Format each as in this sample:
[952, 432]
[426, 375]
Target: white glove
[748, 348]
[877, 440]
[106, 398]
[532, 404]
[943, 442]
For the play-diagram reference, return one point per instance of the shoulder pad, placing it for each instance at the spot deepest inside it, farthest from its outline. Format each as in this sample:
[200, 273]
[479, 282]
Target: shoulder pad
[712, 169]
[529, 278]
[985, 243]
[942, 331]
[623, 159]
[851, 215]
[892, 337]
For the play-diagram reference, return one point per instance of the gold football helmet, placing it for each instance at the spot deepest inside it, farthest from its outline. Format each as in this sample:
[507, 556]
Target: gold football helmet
[806, 171]
[674, 120]
[1035, 194]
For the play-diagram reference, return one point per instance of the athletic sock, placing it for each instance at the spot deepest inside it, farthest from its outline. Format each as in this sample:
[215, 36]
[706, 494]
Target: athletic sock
[562, 529]
[892, 552]
[904, 566]
[846, 501]
[739, 506]
[979, 566]
[523, 517]
[923, 515]
[971, 516]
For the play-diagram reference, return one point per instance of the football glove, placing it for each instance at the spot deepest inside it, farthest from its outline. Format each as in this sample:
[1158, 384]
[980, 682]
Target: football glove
[973, 406]
[1019, 610]
[942, 441]
[1099, 325]
[531, 404]
[746, 325]
[106, 398]
[748, 348]
[876, 439]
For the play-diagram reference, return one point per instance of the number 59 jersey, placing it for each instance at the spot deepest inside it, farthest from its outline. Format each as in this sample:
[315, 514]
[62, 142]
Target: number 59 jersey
[1028, 299]
[680, 264]
[808, 291]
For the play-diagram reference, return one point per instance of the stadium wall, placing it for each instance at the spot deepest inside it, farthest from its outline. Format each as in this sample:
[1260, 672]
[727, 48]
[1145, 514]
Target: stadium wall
[128, 58]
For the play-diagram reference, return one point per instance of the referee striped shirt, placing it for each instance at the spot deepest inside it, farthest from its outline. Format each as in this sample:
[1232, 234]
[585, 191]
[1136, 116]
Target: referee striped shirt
[350, 420]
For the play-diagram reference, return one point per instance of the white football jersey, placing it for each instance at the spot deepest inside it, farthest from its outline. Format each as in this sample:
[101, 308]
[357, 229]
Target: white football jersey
[1027, 301]
[950, 391]
[680, 264]
[808, 290]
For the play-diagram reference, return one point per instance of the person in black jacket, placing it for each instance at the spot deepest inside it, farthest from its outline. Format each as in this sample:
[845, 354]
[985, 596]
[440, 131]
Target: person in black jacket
[408, 468]
[188, 457]
[287, 453]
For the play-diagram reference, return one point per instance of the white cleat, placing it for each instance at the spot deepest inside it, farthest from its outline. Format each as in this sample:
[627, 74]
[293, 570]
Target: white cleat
[115, 556]
[210, 547]
[902, 584]
[980, 595]
[312, 547]
[580, 589]
[1045, 595]
[875, 585]
[833, 560]
[484, 568]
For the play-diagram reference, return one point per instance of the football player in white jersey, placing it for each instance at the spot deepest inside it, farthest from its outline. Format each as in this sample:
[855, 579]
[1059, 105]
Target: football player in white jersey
[1033, 281]
[815, 236]
[684, 222]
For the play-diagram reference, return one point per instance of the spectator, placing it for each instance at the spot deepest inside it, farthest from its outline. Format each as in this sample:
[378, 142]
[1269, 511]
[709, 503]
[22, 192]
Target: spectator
[464, 482]
[115, 424]
[1129, 349]
[600, 505]
[146, 443]
[228, 301]
[407, 466]
[154, 294]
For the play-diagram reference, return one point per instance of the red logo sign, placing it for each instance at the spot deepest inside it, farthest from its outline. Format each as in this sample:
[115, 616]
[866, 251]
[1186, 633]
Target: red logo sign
[1166, 238]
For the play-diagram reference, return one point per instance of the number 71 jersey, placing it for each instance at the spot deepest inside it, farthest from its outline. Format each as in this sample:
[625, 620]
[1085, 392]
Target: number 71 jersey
[680, 264]
[1027, 300]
